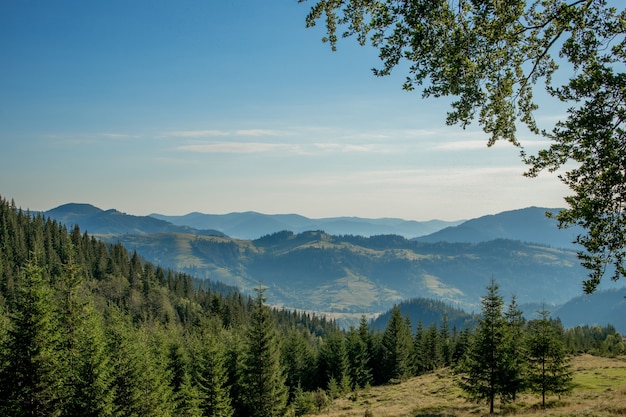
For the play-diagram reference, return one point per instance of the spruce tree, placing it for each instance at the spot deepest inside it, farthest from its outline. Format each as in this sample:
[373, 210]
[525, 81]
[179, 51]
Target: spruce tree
[31, 375]
[446, 341]
[515, 372]
[549, 370]
[263, 381]
[432, 348]
[419, 352]
[365, 334]
[157, 395]
[141, 377]
[484, 364]
[397, 347]
[333, 364]
[358, 360]
[186, 395]
[87, 376]
[211, 377]
[91, 379]
[299, 359]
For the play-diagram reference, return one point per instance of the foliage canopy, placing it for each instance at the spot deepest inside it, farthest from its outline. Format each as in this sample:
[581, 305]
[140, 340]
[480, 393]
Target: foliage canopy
[491, 56]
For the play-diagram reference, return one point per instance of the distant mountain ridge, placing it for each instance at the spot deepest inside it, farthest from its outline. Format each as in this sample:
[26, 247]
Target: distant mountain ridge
[98, 221]
[350, 274]
[252, 225]
[527, 225]
[353, 274]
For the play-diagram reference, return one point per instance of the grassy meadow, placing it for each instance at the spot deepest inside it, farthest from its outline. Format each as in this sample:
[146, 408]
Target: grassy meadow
[599, 391]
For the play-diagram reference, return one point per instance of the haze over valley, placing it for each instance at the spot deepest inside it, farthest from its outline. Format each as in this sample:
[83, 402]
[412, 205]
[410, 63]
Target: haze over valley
[317, 265]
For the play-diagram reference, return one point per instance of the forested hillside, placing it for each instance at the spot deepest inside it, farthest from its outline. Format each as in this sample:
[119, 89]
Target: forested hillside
[347, 274]
[89, 329]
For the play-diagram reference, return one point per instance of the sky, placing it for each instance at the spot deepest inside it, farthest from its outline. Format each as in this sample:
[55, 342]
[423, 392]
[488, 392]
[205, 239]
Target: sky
[172, 107]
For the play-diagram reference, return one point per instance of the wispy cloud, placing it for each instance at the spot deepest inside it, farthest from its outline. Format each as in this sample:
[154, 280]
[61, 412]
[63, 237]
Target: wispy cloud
[236, 147]
[110, 135]
[461, 145]
[260, 132]
[206, 133]
[346, 147]
[310, 149]
[196, 133]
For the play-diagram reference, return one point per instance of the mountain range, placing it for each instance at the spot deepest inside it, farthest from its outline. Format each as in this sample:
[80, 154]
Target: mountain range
[251, 225]
[531, 224]
[97, 221]
[347, 275]
[527, 225]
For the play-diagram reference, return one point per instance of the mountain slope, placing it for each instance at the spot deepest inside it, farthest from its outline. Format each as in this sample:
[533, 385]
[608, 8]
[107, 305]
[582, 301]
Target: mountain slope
[528, 225]
[600, 308]
[353, 274]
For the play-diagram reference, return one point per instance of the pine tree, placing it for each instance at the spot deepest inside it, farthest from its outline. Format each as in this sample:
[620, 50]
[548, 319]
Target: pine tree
[365, 334]
[31, 375]
[140, 374]
[263, 380]
[211, 377]
[234, 341]
[186, 396]
[432, 348]
[333, 364]
[156, 394]
[484, 364]
[548, 365]
[515, 372]
[419, 359]
[358, 360]
[446, 341]
[87, 377]
[299, 359]
[397, 345]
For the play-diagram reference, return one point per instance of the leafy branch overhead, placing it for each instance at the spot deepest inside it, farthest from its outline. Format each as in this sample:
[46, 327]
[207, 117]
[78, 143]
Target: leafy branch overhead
[491, 56]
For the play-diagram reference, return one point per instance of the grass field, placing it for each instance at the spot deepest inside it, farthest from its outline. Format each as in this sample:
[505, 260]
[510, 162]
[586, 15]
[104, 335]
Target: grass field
[600, 391]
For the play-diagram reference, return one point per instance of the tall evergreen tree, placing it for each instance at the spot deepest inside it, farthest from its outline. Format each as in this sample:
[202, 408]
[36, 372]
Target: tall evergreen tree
[446, 341]
[140, 374]
[397, 347]
[419, 352]
[211, 377]
[548, 365]
[299, 359]
[157, 396]
[263, 380]
[31, 378]
[484, 364]
[333, 364]
[432, 351]
[235, 342]
[515, 372]
[365, 333]
[358, 359]
[186, 395]
[87, 377]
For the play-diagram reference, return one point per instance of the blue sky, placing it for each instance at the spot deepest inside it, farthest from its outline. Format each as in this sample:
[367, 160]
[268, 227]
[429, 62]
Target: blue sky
[221, 106]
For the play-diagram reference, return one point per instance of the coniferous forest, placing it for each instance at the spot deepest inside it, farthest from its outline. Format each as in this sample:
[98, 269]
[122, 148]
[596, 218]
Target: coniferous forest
[90, 329]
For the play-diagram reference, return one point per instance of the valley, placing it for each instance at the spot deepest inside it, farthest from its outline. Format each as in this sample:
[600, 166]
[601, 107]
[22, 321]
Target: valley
[346, 276]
